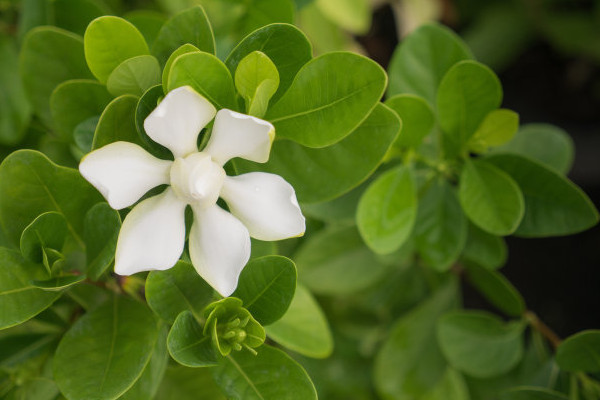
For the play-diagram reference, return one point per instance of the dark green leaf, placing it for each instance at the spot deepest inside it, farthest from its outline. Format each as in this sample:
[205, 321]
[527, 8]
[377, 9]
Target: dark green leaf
[100, 232]
[484, 248]
[117, 123]
[59, 282]
[146, 104]
[48, 230]
[188, 345]
[183, 383]
[532, 393]
[75, 15]
[580, 352]
[147, 22]
[497, 289]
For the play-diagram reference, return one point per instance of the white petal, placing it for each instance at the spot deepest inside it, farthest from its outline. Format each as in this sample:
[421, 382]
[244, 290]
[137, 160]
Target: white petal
[152, 235]
[266, 204]
[240, 135]
[178, 119]
[219, 247]
[123, 172]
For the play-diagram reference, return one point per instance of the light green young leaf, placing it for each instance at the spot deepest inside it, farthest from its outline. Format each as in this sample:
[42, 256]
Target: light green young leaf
[117, 123]
[108, 41]
[188, 345]
[207, 75]
[329, 98]
[491, 198]
[417, 118]
[480, 344]
[266, 286]
[387, 210]
[351, 15]
[270, 375]
[580, 352]
[48, 230]
[183, 383]
[496, 289]
[134, 76]
[484, 248]
[257, 80]
[467, 94]
[303, 328]
[497, 128]
[100, 231]
[183, 49]
[332, 262]
[554, 206]
[421, 61]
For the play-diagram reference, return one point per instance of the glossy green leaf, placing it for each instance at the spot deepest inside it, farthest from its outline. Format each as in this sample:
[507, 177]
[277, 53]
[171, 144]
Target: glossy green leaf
[285, 45]
[491, 198]
[117, 340]
[100, 232]
[497, 289]
[554, 206]
[83, 134]
[188, 345]
[207, 75]
[20, 299]
[183, 383]
[189, 26]
[417, 118]
[387, 210]
[266, 286]
[117, 122]
[48, 57]
[421, 61]
[335, 261]
[59, 282]
[48, 230]
[256, 80]
[484, 248]
[31, 184]
[441, 226]
[148, 22]
[467, 93]
[557, 151]
[177, 289]
[270, 375]
[75, 101]
[303, 328]
[452, 386]
[409, 362]
[329, 98]
[108, 41]
[134, 76]
[532, 393]
[480, 344]
[580, 352]
[322, 174]
[183, 49]
[351, 15]
[497, 128]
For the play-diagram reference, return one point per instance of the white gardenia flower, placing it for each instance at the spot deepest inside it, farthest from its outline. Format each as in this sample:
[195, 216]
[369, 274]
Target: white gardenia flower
[262, 205]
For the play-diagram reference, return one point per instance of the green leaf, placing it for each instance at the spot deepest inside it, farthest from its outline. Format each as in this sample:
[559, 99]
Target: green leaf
[149, 23]
[31, 184]
[20, 299]
[59, 282]
[497, 128]
[580, 352]
[468, 92]
[48, 230]
[333, 262]
[100, 232]
[285, 45]
[303, 328]
[75, 101]
[188, 345]
[532, 393]
[557, 151]
[409, 362]
[417, 118]
[207, 75]
[485, 249]
[329, 98]
[491, 198]
[189, 26]
[421, 61]
[441, 226]
[134, 76]
[146, 104]
[266, 286]
[497, 289]
[117, 123]
[452, 386]
[480, 344]
[117, 340]
[177, 289]
[351, 15]
[76, 15]
[18, 348]
[48, 57]
[15, 110]
[387, 210]
[554, 206]
[322, 174]
[270, 375]
[108, 41]
[256, 80]
[83, 134]
[184, 383]
[183, 49]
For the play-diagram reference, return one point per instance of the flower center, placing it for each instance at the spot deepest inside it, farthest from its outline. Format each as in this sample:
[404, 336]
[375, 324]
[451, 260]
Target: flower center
[197, 179]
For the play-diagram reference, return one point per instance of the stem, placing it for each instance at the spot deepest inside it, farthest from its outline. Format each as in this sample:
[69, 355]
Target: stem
[539, 325]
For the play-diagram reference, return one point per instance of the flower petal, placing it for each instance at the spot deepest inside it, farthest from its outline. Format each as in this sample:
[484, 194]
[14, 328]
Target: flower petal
[219, 247]
[123, 172]
[240, 135]
[178, 119]
[266, 204]
[152, 235]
